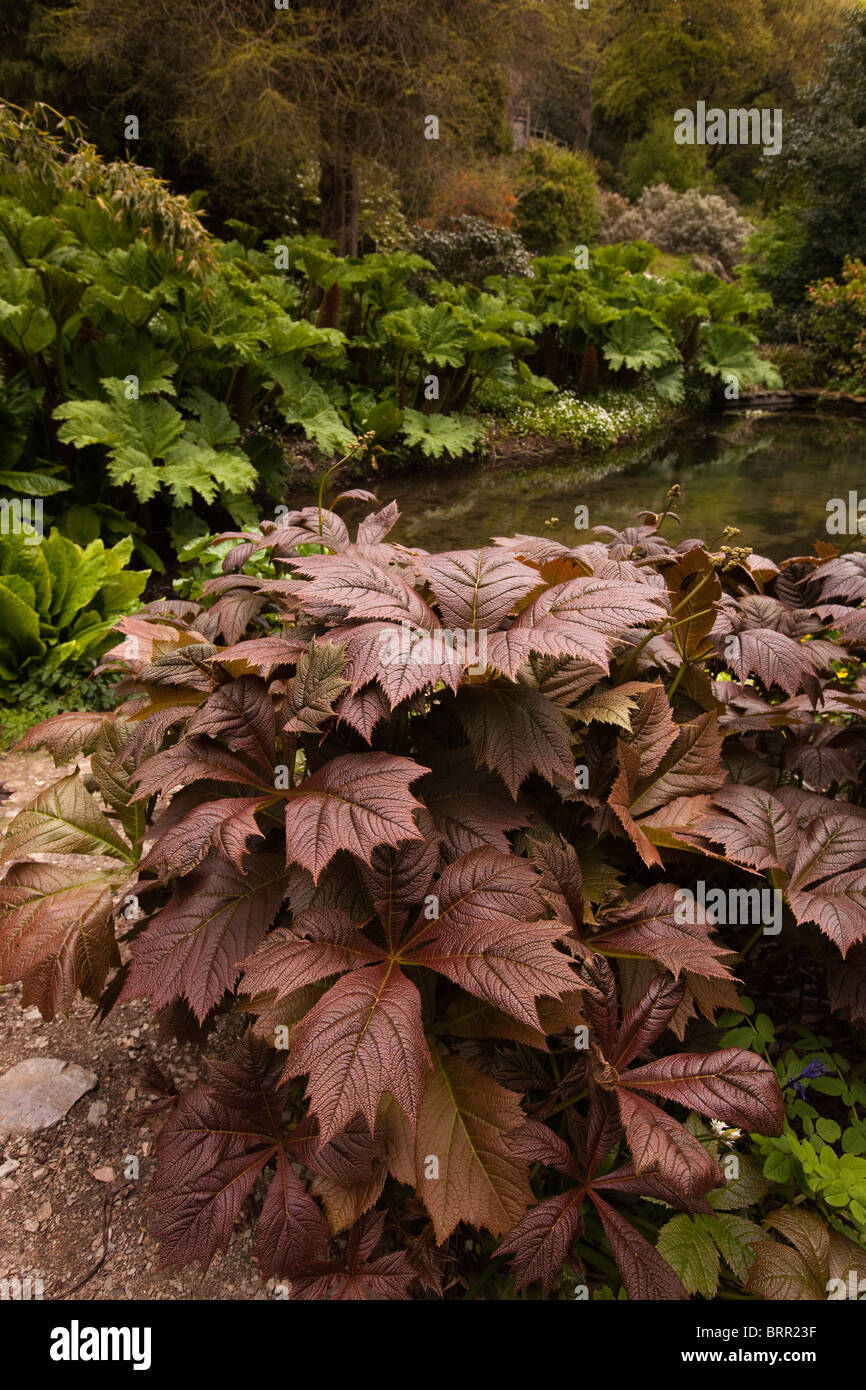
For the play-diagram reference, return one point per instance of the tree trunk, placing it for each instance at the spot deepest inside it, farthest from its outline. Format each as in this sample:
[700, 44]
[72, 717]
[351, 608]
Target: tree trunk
[340, 197]
[583, 127]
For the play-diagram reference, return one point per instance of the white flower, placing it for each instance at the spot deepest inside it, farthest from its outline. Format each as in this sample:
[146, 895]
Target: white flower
[724, 1132]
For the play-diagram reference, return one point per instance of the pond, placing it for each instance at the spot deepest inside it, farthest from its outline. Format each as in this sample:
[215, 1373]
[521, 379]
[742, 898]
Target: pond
[771, 475]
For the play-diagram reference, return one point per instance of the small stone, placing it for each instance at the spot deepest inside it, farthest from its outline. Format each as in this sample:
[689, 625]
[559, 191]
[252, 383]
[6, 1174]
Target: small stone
[44, 1212]
[31, 1225]
[39, 1173]
[103, 1174]
[97, 1112]
[9, 1167]
[131, 1094]
[36, 1093]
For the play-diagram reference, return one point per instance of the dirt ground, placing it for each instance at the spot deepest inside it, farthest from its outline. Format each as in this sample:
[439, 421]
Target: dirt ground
[68, 1214]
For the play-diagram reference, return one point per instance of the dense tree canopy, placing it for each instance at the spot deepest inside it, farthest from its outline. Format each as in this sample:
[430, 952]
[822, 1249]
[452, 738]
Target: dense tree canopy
[822, 172]
[252, 101]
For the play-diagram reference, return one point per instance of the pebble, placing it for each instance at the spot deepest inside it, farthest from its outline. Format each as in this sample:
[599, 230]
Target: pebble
[97, 1112]
[36, 1093]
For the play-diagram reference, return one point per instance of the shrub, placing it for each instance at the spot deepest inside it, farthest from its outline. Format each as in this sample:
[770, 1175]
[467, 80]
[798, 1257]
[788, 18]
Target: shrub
[484, 192]
[689, 223]
[466, 250]
[837, 325]
[656, 158]
[426, 823]
[557, 198]
[59, 603]
[820, 178]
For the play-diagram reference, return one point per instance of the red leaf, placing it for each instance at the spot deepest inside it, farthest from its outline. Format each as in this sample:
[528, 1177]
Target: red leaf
[515, 730]
[732, 1085]
[240, 714]
[541, 1239]
[508, 964]
[477, 588]
[583, 618]
[362, 1040]
[659, 1142]
[225, 825]
[290, 1231]
[214, 918]
[645, 1274]
[354, 802]
[320, 942]
[647, 926]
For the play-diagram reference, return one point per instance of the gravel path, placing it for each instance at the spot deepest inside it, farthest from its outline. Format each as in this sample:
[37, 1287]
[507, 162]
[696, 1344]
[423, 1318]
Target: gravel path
[69, 1214]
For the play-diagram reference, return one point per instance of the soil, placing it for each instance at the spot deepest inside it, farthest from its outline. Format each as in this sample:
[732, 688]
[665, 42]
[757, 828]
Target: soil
[70, 1215]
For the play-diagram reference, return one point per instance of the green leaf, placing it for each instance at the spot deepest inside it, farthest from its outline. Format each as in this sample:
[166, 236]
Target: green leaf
[436, 435]
[63, 819]
[687, 1246]
[828, 1130]
[734, 1236]
[33, 484]
[635, 342]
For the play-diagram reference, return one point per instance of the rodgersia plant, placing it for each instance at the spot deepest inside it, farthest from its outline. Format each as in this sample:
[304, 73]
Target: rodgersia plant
[444, 895]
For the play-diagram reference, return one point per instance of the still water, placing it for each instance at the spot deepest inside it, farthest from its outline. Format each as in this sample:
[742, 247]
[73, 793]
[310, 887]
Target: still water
[771, 475]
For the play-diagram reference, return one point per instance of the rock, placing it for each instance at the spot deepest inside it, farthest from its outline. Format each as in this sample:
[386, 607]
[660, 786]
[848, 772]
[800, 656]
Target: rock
[97, 1112]
[103, 1174]
[9, 1167]
[44, 1212]
[36, 1093]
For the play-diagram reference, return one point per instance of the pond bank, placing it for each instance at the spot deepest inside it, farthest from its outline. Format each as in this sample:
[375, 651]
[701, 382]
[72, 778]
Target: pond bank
[770, 474]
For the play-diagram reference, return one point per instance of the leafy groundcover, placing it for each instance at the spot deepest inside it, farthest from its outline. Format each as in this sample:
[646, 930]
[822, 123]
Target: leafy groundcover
[426, 824]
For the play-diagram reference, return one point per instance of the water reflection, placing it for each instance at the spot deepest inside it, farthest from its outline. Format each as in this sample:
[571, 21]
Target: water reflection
[770, 475]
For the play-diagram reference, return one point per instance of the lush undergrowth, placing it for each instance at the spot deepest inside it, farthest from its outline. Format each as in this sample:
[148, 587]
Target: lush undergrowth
[507, 858]
[154, 376]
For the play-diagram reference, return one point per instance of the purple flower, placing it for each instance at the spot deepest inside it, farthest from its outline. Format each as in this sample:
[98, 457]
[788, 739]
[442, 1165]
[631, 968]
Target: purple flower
[814, 1069]
[809, 1073]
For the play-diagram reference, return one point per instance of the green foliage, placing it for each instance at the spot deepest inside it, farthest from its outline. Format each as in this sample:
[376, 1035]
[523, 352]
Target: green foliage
[837, 324]
[153, 375]
[59, 602]
[617, 321]
[557, 199]
[821, 175]
[656, 158]
[468, 249]
[820, 1157]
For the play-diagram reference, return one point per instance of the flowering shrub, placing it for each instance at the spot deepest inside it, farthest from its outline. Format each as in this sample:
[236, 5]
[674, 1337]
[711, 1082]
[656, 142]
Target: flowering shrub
[690, 223]
[598, 423]
[450, 903]
[484, 192]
